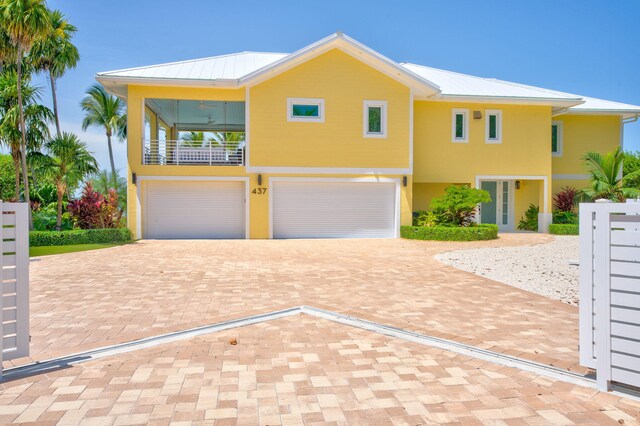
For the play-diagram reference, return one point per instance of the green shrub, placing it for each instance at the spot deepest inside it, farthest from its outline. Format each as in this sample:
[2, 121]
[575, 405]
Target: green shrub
[564, 229]
[565, 217]
[450, 233]
[79, 236]
[426, 218]
[530, 220]
[458, 205]
[44, 219]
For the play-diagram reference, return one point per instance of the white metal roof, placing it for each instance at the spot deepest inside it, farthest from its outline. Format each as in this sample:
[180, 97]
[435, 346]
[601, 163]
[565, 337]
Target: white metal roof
[224, 67]
[237, 69]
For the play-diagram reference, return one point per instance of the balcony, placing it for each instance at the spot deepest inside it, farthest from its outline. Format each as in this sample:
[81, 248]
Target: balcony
[182, 132]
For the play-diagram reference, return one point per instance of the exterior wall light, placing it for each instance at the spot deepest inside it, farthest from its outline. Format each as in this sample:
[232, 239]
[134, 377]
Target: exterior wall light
[517, 184]
[259, 179]
[404, 181]
[134, 178]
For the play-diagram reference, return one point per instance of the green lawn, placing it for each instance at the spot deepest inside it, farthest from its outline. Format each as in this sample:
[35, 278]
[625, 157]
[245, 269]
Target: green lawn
[47, 250]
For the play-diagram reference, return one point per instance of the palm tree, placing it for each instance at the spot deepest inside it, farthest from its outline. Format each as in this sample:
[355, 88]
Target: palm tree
[25, 22]
[56, 54]
[103, 181]
[106, 111]
[36, 118]
[606, 180]
[68, 161]
[229, 140]
[193, 140]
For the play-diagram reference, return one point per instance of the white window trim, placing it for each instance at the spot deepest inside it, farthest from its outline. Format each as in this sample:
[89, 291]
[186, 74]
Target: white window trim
[365, 119]
[465, 125]
[305, 101]
[560, 125]
[498, 115]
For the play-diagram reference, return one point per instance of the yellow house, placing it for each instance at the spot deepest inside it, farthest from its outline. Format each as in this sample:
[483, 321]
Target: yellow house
[336, 140]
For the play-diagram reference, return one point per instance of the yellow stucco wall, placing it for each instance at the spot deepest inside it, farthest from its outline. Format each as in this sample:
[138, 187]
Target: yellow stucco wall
[524, 151]
[423, 193]
[344, 83]
[530, 192]
[583, 133]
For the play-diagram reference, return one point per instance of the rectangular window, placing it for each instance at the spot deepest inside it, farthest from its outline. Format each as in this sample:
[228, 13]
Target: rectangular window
[460, 126]
[375, 119]
[493, 129]
[556, 138]
[305, 109]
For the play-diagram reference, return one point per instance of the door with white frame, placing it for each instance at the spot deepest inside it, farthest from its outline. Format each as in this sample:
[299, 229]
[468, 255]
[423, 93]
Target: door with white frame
[500, 209]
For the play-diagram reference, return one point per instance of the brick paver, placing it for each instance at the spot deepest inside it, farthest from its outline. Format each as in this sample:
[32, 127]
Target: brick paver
[89, 299]
[303, 370]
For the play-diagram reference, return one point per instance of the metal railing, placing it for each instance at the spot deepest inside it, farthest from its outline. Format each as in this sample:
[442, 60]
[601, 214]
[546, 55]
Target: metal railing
[228, 152]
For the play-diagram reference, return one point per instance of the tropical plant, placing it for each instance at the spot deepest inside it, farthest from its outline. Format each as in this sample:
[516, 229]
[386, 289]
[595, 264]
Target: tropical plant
[36, 117]
[529, 222]
[193, 139]
[7, 174]
[25, 22]
[631, 164]
[103, 182]
[55, 55]
[68, 161]
[426, 218]
[564, 200]
[105, 111]
[229, 140]
[560, 216]
[458, 205]
[46, 218]
[606, 183]
[95, 211]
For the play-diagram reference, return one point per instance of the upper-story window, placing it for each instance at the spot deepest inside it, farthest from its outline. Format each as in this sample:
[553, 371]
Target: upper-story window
[460, 125]
[305, 109]
[556, 138]
[493, 126]
[375, 119]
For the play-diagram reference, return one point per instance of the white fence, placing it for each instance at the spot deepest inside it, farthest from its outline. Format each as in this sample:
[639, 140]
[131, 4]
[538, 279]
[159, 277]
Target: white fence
[14, 281]
[610, 292]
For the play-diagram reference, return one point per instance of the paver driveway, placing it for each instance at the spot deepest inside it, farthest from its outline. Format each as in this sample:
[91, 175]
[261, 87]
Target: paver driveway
[89, 299]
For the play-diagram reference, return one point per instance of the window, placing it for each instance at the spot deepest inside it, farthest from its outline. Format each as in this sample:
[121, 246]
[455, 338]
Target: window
[309, 110]
[375, 119]
[493, 126]
[460, 126]
[556, 138]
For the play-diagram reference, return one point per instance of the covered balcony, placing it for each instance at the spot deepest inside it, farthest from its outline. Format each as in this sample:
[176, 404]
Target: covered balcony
[193, 133]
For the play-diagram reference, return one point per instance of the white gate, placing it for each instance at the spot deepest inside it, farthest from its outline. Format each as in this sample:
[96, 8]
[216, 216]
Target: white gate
[14, 281]
[610, 292]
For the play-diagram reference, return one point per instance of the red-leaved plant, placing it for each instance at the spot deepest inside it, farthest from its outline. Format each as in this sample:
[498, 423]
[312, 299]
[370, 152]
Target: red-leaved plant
[93, 211]
[564, 200]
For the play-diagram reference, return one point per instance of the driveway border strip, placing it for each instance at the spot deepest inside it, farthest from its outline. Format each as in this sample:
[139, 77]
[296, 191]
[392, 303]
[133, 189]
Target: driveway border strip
[398, 333]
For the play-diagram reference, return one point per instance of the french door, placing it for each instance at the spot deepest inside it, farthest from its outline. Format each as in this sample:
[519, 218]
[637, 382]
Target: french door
[500, 210]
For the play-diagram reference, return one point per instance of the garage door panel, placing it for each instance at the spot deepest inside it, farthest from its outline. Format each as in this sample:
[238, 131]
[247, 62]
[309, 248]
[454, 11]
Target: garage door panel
[334, 210]
[194, 209]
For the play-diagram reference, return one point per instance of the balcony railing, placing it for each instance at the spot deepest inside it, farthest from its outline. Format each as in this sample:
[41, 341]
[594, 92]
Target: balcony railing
[194, 153]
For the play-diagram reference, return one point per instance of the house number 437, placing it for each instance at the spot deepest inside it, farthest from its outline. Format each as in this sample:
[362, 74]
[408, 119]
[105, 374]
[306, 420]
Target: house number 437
[259, 191]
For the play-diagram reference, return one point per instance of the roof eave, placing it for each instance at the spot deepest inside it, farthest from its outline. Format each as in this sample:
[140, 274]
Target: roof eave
[625, 113]
[113, 81]
[521, 100]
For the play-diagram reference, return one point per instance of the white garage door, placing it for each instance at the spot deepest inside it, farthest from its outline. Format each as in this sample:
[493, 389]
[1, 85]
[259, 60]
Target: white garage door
[194, 209]
[334, 210]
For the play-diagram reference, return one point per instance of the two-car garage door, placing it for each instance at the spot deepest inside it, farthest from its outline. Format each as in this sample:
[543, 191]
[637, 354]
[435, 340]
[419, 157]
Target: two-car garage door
[333, 209]
[186, 209]
[194, 209]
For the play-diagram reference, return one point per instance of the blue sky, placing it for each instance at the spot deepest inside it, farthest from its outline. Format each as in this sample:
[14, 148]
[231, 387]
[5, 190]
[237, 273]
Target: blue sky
[584, 47]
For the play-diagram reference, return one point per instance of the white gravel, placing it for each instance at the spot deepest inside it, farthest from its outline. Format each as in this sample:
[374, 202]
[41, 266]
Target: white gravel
[544, 269]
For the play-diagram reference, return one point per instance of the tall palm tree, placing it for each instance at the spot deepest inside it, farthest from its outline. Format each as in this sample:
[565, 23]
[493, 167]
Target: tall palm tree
[606, 181]
[25, 22]
[56, 54]
[67, 162]
[105, 111]
[36, 118]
